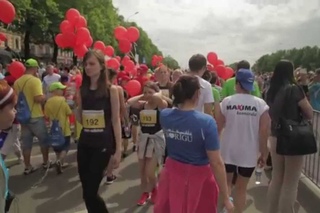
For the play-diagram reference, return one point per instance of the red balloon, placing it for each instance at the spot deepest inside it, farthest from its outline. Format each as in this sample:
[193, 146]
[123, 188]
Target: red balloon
[125, 45]
[72, 15]
[118, 58]
[221, 70]
[69, 39]
[66, 27]
[109, 51]
[81, 22]
[83, 36]
[125, 59]
[210, 67]
[120, 32]
[3, 37]
[129, 64]
[133, 87]
[8, 12]
[212, 57]
[80, 50]
[133, 34]
[89, 42]
[60, 40]
[219, 62]
[113, 63]
[16, 69]
[99, 45]
[229, 72]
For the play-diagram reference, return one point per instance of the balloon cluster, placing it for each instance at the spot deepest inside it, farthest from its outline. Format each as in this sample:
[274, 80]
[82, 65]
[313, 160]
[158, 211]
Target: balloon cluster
[126, 37]
[7, 12]
[3, 37]
[74, 33]
[156, 60]
[217, 65]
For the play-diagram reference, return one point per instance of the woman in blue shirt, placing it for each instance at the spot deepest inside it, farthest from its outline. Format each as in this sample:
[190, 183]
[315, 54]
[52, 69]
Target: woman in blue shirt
[187, 183]
[7, 115]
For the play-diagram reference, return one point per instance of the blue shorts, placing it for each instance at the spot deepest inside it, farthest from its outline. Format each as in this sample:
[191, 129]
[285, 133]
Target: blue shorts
[35, 128]
[65, 147]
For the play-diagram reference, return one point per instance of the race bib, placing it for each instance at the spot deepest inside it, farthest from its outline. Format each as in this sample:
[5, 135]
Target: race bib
[148, 117]
[165, 92]
[93, 119]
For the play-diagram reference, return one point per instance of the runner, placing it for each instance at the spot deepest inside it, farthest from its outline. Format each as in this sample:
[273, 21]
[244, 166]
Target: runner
[101, 134]
[187, 183]
[151, 144]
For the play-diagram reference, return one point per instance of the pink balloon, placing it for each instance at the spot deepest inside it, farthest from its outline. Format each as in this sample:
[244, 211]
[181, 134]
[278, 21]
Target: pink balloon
[113, 64]
[109, 51]
[66, 27]
[125, 46]
[120, 33]
[133, 34]
[83, 36]
[133, 87]
[72, 15]
[99, 45]
[212, 58]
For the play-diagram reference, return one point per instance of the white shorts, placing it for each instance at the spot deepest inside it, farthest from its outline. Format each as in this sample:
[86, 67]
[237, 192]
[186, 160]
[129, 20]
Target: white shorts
[12, 142]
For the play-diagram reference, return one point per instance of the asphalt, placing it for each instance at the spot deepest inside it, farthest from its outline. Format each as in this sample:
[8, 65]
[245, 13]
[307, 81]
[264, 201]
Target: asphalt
[63, 194]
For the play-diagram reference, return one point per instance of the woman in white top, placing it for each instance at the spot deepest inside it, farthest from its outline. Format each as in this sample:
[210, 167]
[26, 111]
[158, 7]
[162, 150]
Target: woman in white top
[246, 122]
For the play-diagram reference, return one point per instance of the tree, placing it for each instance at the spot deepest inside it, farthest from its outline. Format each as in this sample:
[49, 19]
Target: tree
[307, 57]
[170, 62]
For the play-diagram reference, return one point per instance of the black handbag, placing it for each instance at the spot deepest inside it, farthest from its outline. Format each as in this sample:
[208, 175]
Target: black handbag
[295, 137]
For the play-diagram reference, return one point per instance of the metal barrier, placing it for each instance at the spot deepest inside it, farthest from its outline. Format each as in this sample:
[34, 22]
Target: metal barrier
[312, 162]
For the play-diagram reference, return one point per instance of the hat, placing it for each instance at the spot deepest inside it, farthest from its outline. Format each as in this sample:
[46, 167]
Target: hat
[31, 63]
[56, 86]
[246, 78]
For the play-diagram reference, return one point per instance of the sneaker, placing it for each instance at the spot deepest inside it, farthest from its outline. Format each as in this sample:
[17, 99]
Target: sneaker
[143, 199]
[59, 167]
[28, 170]
[110, 180]
[154, 195]
[47, 165]
[134, 148]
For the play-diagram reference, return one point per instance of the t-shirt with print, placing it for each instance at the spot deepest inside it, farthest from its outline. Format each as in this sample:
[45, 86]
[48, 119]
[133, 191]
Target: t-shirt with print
[229, 88]
[206, 95]
[32, 88]
[189, 134]
[240, 139]
[56, 107]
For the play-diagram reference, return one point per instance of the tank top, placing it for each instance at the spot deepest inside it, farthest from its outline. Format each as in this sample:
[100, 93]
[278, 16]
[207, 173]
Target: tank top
[97, 130]
[149, 120]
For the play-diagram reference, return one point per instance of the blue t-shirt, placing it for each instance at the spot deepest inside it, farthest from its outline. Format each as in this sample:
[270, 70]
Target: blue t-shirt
[189, 134]
[314, 94]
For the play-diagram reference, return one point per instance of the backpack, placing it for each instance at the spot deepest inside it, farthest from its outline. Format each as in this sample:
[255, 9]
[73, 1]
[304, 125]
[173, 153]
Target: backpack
[23, 114]
[56, 137]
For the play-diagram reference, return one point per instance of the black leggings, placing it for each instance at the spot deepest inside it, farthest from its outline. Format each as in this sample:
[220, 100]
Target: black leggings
[91, 165]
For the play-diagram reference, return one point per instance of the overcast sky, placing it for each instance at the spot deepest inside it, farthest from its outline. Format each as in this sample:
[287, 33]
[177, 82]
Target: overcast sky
[234, 29]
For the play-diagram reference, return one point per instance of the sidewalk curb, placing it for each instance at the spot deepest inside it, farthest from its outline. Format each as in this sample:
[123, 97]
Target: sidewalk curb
[307, 183]
[308, 194]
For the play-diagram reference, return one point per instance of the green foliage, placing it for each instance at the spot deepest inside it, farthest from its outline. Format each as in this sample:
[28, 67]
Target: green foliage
[307, 57]
[39, 20]
[170, 62]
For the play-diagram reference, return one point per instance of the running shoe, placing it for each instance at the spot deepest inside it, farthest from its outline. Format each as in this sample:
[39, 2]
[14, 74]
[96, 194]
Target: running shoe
[28, 170]
[47, 165]
[111, 179]
[59, 167]
[143, 199]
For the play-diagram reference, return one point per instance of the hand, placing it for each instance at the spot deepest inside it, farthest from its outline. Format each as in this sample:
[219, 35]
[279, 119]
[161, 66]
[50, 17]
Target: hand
[262, 160]
[228, 206]
[116, 159]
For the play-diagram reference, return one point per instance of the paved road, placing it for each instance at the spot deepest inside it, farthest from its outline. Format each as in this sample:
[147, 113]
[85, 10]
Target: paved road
[63, 194]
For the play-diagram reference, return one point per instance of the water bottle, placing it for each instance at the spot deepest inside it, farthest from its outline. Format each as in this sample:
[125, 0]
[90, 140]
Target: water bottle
[258, 173]
[127, 131]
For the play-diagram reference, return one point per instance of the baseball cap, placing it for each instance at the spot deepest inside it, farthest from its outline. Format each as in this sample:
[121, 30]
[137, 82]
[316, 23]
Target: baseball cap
[31, 63]
[56, 86]
[246, 78]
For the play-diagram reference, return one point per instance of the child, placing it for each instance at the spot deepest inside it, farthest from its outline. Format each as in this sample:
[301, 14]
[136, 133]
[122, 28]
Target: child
[126, 128]
[56, 108]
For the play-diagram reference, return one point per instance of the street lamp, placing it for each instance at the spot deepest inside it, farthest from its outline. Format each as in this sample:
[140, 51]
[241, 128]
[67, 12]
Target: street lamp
[132, 15]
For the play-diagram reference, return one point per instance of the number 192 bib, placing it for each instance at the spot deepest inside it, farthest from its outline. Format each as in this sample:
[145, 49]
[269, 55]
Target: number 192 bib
[148, 117]
[93, 119]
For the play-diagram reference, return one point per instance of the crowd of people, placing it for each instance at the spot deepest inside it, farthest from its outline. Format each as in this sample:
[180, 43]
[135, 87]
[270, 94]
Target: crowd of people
[197, 137]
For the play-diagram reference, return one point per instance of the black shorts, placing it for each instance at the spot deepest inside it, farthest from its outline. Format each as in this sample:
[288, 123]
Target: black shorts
[243, 171]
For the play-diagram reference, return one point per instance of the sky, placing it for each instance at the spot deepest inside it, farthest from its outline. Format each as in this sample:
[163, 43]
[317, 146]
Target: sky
[234, 29]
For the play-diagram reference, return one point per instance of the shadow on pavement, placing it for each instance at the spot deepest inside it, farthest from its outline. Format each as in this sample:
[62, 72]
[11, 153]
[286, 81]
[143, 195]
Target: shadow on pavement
[259, 194]
[130, 171]
[126, 200]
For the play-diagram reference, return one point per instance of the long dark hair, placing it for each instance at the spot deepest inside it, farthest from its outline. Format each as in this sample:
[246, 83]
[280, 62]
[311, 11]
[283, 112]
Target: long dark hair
[103, 83]
[282, 75]
[184, 89]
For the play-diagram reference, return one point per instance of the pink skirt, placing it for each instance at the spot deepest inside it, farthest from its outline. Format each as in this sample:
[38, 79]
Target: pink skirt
[185, 188]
